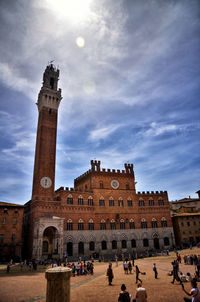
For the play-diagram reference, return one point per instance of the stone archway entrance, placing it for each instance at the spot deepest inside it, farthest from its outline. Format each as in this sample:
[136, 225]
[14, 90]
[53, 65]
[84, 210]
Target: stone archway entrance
[48, 237]
[50, 242]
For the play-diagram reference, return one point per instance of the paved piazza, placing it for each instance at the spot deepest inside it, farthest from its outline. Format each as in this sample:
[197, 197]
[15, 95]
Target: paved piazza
[30, 287]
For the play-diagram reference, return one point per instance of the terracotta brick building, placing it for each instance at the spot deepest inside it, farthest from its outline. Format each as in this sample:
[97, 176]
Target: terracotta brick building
[11, 222]
[186, 220]
[102, 215]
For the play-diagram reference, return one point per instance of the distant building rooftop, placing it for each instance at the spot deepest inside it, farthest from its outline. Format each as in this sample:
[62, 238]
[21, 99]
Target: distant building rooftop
[7, 204]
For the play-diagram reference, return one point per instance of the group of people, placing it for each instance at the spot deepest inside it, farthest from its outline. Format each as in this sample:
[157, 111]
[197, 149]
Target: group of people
[79, 269]
[32, 265]
[191, 259]
[124, 296]
[179, 276]
[140, 295]
[82, 268]
[128, 266]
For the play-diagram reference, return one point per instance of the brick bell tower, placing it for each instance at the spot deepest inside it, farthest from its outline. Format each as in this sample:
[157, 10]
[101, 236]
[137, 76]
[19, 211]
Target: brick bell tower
[48, 102]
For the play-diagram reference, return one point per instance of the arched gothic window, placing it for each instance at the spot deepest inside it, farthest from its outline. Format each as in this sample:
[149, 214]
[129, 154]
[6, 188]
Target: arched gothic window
[143, 224]
[102, 201]
[80, 200]
[131, 224]
[114, 245]
[112, 225]
[80, 225]
[91, 246]
[103, 224]
[160, 202]
[104, 245]
[133, 243]
[141, 203]
[145, 242]
[163, 222]
[69, 199]
[151, 202]
[111, 202]
[91, 225]
[122, 224]
[69, 225]
[90, 201]
[166, 241]
[154, 223]
[124, 244]
[129, 202]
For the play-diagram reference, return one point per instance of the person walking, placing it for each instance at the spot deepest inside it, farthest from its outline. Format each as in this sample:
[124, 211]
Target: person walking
[125, 265]
[124, 296]
[141, 294]
[110, 274]
[155, 271]
[116, 260]
[194, 292]
[175, 272]
[137, 272]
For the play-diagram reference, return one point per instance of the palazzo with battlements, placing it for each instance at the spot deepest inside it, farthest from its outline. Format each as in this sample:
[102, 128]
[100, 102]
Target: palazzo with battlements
[102, 215]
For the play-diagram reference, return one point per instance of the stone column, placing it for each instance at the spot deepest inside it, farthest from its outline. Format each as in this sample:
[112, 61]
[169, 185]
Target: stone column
[58, 284]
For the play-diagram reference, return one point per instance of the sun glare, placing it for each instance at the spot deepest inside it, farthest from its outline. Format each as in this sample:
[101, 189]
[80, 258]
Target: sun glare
[74, 10]
[80, 42]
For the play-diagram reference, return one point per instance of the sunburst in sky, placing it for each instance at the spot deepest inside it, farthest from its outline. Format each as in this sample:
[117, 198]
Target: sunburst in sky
[130, 79]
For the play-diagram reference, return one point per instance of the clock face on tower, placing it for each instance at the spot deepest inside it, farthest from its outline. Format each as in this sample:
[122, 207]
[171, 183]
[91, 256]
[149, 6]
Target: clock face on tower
[46, 182]
[114, 184]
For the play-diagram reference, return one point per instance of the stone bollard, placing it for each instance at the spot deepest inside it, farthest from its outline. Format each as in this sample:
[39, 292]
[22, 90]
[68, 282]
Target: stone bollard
[58, 284]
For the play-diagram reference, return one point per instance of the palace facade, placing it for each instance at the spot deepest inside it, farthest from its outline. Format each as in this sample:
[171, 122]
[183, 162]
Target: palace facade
[102, 215]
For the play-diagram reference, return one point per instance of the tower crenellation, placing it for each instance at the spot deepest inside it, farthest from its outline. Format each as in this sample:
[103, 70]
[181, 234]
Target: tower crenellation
[49, 95]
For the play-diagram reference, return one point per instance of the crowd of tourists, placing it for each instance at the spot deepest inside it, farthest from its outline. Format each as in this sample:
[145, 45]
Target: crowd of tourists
[81, 268]
[31, 265]
[78, 269]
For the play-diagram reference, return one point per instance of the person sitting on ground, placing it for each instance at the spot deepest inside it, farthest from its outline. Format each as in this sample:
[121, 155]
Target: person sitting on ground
[141, 294]
[194, 292]
[188, 277]
[183, 277]
[124, 296]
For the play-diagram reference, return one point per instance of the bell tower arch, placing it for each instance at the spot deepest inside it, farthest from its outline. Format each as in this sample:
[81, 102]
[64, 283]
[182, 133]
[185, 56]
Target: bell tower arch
[48, 102]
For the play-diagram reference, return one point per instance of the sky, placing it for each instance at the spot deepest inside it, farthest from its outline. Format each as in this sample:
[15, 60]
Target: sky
[130, 80]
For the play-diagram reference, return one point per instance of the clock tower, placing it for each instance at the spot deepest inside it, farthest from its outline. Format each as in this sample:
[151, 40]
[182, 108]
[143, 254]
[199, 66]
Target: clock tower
[45, 152]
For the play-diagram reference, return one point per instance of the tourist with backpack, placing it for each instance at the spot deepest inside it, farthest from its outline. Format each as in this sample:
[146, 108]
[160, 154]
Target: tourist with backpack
[124, 296]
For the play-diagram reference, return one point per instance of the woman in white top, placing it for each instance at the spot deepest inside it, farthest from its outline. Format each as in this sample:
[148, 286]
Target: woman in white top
[194, 292]
[141, 294]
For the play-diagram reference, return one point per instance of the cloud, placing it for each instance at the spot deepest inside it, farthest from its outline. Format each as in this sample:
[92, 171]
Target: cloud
[102, 133]
[159, 130]
[129, 94]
